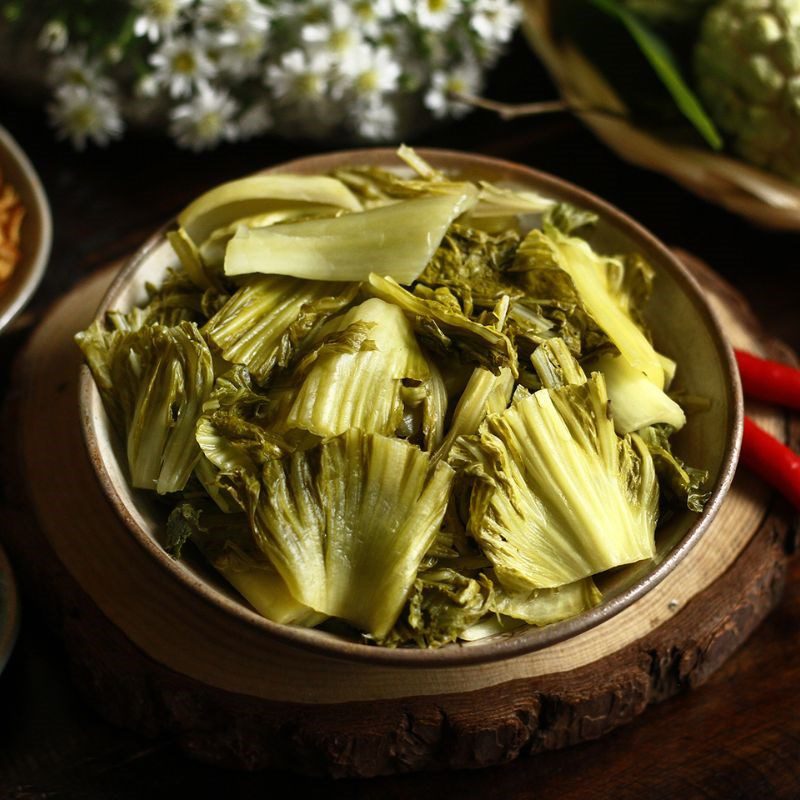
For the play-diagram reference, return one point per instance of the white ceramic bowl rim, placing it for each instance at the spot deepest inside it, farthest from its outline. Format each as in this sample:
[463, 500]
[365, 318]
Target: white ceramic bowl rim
[12, 304]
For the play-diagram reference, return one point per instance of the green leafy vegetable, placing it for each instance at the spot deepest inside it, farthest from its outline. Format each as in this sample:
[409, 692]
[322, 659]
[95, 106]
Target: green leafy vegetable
[443, 604]
[347, 523]
[260, 194]
[223, 540]
[396, 240]
[438, 320]
[263, 323]
[567, 267]
[557, 495]
[636, 402]
[154, 381]
[546, 606]
[484, 394]
[470, 263]
[681, 483]
[358, 384]
[235, 435]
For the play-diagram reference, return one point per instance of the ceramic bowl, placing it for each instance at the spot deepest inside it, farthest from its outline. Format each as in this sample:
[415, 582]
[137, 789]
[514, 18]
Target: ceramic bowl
[37, 229]
[684, 328]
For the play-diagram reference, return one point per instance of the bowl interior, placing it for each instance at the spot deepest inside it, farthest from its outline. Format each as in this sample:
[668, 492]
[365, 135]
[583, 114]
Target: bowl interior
[36, 232]
[683, 327]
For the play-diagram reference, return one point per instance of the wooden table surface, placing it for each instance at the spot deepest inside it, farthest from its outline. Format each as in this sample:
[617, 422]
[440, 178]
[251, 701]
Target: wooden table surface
[738, 736]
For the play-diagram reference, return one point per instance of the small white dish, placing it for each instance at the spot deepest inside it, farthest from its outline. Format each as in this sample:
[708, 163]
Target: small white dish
[37, 229]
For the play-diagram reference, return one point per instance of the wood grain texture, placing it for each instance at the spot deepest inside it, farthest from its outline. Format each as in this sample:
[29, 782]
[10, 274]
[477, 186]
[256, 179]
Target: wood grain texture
[341, 718]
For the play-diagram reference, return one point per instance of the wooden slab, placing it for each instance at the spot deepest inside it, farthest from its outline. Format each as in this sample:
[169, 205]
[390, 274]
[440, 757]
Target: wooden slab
[153, 656]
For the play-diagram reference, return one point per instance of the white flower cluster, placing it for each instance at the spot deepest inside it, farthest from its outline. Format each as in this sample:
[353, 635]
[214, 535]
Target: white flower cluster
[231, 69]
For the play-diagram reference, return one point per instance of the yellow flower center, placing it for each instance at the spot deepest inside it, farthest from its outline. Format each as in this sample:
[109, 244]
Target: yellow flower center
[456, 86]
[308, 85]
[82, 119]
[340, 40]
[365, 11]
[367, 81]
[437, 6]
[163, 10]
[184, 63]
[234, 12]
[209, 125]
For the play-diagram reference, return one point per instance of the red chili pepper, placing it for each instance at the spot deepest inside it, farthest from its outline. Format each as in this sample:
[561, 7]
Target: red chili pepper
[771, 460]
[769, 380]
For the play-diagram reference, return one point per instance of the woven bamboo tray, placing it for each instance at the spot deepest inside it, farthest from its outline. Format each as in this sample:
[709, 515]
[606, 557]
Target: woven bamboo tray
[746, 190]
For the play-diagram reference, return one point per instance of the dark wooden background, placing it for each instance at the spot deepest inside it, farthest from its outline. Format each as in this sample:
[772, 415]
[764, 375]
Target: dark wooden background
[736, 737]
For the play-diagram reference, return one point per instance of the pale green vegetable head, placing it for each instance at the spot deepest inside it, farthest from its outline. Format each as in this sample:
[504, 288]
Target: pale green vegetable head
[557, 496]
[154, 382]
[262, 325]
[346, 524]
[595, 291]
[358, 382]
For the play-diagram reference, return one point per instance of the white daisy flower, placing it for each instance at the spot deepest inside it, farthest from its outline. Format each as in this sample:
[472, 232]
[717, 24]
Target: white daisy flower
[376, 121]
[54, 37]
[80, 114]
[74, 68]
[371, 14]
[369, 72]
[495, 20]
[435, 15]
[236, 18]
[242, 58]
[300, 77]
[465, 79]
[340, 33]
[203, 121]
[158, 18]
[255, 121]
[180, 64]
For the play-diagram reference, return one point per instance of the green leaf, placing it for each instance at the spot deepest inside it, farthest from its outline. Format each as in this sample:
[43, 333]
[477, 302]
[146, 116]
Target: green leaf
[154, 382]
[470, 262]
[658, 54]
[557, 496]
[545, 606]
[347, 523]
[682, 485]
[354, 377]
[397, 240]
[438, 320]
[590, 285]
[443, 604]
[263, 323]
